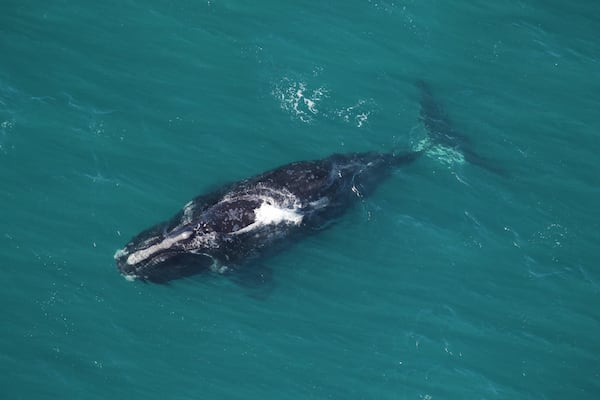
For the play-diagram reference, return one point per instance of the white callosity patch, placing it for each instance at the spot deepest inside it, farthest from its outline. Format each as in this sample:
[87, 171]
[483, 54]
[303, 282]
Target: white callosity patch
[203, 241]
[120, 253]
[269, 214]
[167, 243]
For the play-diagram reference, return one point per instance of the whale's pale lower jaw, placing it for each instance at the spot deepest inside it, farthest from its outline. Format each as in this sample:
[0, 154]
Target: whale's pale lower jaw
[162, 267]
[143, 271]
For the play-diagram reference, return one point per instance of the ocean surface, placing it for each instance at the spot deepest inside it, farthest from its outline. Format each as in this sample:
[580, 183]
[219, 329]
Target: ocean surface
[448, 282]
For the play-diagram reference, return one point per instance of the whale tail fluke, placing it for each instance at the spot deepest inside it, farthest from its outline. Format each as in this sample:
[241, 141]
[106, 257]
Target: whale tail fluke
[485, 163]
[441, 131]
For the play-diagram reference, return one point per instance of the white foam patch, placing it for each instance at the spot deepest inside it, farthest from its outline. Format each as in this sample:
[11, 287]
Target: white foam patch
[268, 214]
[298, 99]
[188, 212]
[5, 127]
[357, 114]
[320, 203]
[361, 119]
[142, 255]
[446, 155]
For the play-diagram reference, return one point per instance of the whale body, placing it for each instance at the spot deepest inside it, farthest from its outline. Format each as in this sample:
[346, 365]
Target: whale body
[226, 228]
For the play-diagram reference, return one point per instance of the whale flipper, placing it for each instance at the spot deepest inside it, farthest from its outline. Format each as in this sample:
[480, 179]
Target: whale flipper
[441, 131]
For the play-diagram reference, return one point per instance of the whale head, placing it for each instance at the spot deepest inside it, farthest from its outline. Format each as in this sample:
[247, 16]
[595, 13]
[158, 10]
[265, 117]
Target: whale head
[160, 254]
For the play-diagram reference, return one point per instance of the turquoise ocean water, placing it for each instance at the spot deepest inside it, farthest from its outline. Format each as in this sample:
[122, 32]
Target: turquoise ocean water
[449, 282]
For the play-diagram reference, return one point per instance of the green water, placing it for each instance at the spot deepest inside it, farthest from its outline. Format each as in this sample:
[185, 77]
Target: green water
[448, 283]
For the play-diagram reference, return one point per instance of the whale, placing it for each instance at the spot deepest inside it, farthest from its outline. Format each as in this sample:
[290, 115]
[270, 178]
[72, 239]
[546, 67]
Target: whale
[222, 229]
[225, 229]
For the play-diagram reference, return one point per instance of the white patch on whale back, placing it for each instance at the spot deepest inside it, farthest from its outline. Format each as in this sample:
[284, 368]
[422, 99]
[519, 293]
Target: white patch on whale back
[144, 254]
[203, 241]
[269, 214]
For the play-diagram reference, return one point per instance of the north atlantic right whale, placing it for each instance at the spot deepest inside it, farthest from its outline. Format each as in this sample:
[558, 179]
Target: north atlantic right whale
[223, 229]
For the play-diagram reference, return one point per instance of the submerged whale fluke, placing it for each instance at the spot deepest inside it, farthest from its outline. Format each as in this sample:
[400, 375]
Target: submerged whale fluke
[441, 130]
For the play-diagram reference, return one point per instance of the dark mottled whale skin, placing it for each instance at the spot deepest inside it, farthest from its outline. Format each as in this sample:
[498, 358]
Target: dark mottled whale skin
[227, 227]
